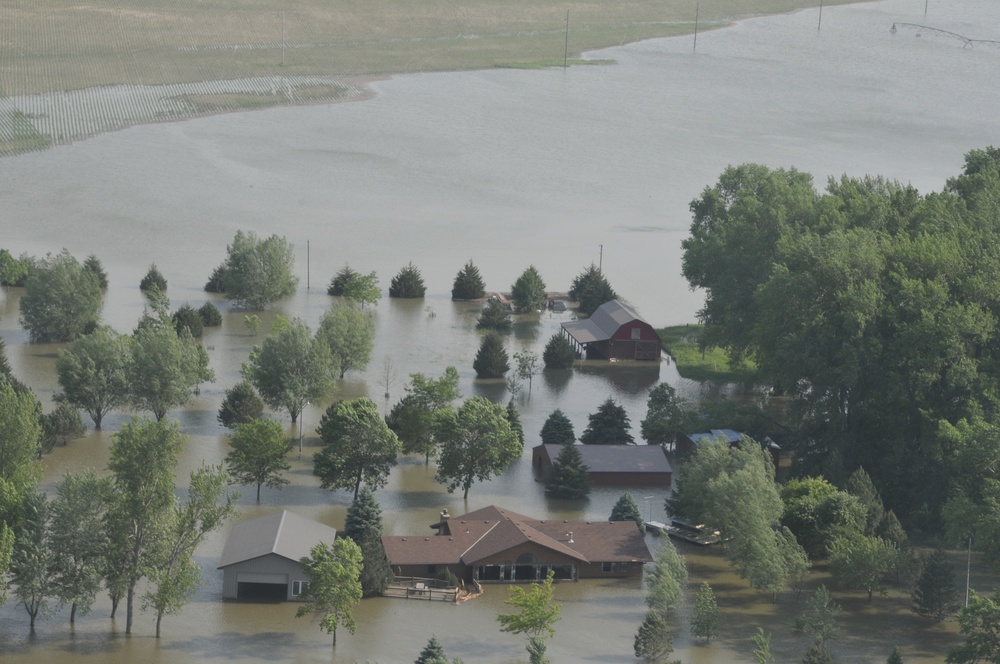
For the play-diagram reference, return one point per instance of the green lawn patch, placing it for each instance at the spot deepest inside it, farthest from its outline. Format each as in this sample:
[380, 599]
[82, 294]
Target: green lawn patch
[681, 342]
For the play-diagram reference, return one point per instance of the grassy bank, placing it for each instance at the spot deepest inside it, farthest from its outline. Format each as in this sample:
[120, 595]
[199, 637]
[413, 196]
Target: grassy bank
[49, 46]
[682, 342]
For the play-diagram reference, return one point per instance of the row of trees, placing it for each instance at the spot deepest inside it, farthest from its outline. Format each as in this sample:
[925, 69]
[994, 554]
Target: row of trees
[115, 532]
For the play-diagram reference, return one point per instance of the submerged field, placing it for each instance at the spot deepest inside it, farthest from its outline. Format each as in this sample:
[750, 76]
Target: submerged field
[232, 56]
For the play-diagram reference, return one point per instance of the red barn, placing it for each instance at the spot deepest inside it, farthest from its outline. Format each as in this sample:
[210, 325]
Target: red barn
[614, 332]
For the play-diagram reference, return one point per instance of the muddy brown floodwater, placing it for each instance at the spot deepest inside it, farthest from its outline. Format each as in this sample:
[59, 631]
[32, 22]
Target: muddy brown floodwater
[555, 168]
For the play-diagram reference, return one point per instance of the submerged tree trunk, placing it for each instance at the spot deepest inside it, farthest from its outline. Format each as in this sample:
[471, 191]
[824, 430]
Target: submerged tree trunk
[159, 617]
[72, 613]
[129, 596]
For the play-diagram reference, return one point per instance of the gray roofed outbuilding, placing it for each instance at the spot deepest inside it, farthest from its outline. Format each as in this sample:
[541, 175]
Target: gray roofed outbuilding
[614, 331]
[622, 465]
[267, 550]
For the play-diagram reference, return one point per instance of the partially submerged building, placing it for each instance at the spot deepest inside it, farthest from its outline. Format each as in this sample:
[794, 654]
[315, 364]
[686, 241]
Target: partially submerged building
[261, 557]
[494, 545]
[615, 465]
[685, 443]
[614, 332]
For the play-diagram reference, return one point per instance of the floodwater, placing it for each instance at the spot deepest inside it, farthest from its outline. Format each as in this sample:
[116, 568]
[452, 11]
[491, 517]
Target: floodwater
[509, 168]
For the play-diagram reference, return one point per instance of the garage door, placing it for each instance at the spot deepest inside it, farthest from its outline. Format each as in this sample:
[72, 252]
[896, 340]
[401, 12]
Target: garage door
[246, 577]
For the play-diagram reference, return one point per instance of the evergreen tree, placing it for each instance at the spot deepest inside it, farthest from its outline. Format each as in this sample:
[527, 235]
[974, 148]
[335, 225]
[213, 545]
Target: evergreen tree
[469, 284]
[895, 657]
[215, 283]
[210, 315]
[664, 416]
[433, 653]
[610, 425]
[705, 622]
[558, 353]
[342, 280]
[936, 595]
[408, 283]
[93, 265]
[187, 317]
[62, 425]
[364, 515]
[153, 280]
[591, 290]
[626, 509]
[491, 360]
[494, 316]
[515, 421]
[568, 478]
[817, 654]
[376, 573]
[241, 405]
[860, 485]
[653, 641]
[558, 430]
[821, 619]
[528, 292]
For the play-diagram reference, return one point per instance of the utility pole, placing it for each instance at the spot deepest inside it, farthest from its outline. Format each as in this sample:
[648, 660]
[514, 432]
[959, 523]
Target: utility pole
[697, 7]
[307, 265]
[600, 258]
[282, 39]
[820, 24]
[566, 44]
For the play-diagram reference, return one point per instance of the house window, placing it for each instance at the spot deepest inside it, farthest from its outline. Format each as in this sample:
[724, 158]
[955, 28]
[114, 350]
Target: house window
[636, 333]
[613, 568]
[299, 588]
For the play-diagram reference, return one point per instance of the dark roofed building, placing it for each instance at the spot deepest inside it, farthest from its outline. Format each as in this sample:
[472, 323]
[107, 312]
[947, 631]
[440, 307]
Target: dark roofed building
[614, 332]
[686, 443]
[261, 556]
[619, 465]
[499, 546]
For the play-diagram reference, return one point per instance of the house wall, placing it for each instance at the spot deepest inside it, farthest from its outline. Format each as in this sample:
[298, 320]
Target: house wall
[630, 479]
[617, 570]
[540, 459]
[270, 564]
[622, 346]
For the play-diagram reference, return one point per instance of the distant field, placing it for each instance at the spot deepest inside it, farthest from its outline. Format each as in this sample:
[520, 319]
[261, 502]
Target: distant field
[55, 46]
[682, 343]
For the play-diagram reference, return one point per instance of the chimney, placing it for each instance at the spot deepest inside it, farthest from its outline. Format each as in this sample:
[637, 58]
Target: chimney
[570, 536]
[444, 514]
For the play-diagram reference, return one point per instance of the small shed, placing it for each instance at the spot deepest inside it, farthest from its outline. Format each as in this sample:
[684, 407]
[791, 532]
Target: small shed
[686, 443]
[261, 556]
[614, 332]
[615, 465]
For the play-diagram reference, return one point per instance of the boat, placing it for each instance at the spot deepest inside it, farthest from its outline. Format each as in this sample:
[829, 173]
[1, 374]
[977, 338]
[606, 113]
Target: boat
[695, 533]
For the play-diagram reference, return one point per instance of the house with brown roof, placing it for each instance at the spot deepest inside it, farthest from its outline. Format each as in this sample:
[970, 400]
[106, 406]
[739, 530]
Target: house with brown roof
[614, 332]
[494, 545]
[261, 557]
[613, 465]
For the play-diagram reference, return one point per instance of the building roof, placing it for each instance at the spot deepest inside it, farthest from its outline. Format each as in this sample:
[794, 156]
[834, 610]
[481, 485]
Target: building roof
[730, 436]
[603, 323]
[617, 458]
[491, 530]
[281, 533]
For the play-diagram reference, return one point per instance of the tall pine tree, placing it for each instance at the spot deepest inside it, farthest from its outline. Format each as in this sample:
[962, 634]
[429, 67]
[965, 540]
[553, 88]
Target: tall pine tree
[568, 478]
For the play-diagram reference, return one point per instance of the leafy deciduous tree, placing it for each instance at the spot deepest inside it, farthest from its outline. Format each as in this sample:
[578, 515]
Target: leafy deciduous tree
[821, 618]
[359, 446]
[537, 615]
[705, 622]
[165, 368]
[653, 641]
[414, 417]
[62, 300]
[32, 566]
[93, 372]
[334, 585]
[289, 368]
[349, 334]
[863, 562]
[664, 416]
[762, 647]
[258, 455]
[476, 443]
[257, 272]
[979, 622]
[61, 425]
[666, 579]
[176, 576]
[78, 539]
[143, 457]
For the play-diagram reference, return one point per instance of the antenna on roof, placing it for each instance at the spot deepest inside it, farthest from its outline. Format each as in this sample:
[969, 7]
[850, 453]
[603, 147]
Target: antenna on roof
[570, 536]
